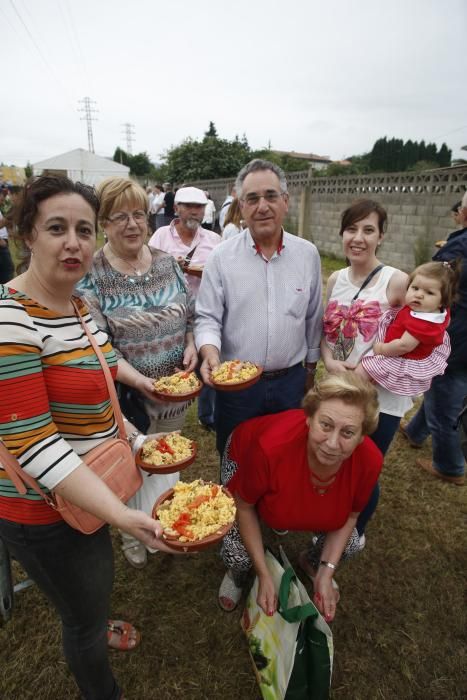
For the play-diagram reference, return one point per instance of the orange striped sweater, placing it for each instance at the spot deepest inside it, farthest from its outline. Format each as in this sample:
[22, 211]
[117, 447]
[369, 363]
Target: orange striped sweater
[54, 402]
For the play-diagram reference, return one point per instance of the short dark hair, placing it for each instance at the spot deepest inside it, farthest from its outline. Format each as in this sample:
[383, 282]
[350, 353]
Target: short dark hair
[37, 190]
[359, 210]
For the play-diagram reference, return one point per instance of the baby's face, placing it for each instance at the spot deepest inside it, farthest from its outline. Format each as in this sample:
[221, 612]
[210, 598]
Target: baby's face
[424, 294]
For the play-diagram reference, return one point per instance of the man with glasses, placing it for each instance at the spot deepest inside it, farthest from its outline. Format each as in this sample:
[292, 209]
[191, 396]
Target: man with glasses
[260, 300]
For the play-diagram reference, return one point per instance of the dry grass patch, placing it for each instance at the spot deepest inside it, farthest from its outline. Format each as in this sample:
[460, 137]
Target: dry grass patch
[399, 632]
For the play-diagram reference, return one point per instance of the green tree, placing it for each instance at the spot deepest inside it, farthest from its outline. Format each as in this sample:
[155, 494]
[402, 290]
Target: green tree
[208, 159]
[140, 164]
[28, 169]
[121, 156]
[286, 162]
[212, 131]
[444, 156]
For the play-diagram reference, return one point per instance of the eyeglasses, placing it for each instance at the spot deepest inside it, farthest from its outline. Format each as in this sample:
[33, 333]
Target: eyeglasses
[271, 197]
[122, 219]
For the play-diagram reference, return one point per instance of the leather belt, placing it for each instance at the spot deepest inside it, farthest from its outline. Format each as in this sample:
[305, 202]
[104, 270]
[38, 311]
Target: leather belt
[276, 373]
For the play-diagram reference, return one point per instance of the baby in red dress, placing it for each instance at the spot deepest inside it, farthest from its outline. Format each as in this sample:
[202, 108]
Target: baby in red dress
[416, 345]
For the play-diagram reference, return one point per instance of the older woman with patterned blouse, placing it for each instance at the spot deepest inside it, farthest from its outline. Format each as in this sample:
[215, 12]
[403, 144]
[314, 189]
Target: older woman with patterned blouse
[138, 295]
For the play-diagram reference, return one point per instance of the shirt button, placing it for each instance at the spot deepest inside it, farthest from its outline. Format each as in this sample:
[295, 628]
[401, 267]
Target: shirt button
[14, 416]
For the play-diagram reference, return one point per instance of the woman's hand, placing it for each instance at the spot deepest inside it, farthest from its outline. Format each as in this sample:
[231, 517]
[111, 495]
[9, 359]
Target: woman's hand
[266, 598]
[146, 386]
[144, 528]
[338, 366]
[190, 357]
[326, 595]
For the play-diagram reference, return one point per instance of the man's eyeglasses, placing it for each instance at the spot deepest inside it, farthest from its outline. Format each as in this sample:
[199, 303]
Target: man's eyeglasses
[122, 219]
[253, 198]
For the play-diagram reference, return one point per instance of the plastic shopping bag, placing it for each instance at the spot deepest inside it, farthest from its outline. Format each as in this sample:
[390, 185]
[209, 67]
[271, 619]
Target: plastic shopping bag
[292, 651]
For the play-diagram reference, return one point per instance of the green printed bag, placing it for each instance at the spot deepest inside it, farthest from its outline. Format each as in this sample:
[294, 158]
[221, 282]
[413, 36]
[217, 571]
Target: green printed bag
[292, 651]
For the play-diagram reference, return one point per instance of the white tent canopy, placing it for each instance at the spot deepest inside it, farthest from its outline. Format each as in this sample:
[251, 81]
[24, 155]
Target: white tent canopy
[83, 166]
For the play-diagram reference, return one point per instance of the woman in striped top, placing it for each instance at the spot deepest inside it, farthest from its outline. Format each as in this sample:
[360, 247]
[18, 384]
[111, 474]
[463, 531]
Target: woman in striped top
[54, 407]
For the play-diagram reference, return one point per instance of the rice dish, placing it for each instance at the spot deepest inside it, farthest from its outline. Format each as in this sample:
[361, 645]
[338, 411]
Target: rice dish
[197, 510]
[170, 449]
[178, 383]
[234, 372]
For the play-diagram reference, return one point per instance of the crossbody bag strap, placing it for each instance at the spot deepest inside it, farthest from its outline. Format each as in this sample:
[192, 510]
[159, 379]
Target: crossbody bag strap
[18, 476]
[107, 374]
[368, 280]
[10, 464]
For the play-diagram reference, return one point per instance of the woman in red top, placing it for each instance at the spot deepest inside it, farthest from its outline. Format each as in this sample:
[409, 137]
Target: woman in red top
[312, 469]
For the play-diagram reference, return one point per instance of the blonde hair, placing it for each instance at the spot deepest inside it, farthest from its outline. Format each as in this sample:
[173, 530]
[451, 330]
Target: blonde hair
[234, 214]
[118, 192]
[352, 390]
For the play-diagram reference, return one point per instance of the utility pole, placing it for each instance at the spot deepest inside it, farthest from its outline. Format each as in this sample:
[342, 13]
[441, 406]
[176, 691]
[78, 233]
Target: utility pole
[88, 110]
[129, 131]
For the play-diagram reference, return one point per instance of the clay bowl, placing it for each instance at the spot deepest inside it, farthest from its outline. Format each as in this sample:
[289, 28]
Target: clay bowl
[239, 386]
[179, 397]
[198, 545]
[166, 468]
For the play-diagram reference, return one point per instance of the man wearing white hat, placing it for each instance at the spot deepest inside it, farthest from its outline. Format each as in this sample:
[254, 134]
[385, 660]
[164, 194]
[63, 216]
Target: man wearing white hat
[191, 245]
[185, 238]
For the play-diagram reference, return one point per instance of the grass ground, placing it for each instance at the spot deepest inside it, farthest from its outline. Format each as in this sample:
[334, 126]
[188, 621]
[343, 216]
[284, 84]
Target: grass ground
[399, 633]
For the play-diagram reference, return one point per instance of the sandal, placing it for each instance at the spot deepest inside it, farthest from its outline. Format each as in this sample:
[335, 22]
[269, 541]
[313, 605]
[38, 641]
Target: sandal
[135, 553]
[122, 635]
[229, 593]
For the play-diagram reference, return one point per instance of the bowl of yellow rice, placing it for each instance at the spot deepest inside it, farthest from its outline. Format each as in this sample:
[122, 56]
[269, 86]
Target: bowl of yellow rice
[235, 375]
[181, 386]
[195, 515]
[165, 455]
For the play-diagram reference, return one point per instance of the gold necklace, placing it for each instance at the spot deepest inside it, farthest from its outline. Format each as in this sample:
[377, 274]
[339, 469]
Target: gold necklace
[138, 272]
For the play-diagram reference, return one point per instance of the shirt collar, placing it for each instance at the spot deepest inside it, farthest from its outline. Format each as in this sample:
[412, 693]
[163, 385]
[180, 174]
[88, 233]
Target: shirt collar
[176, 235]
[433, 317]
[257, 249]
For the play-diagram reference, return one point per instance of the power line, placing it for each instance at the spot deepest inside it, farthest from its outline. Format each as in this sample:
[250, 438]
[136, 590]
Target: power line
[88, 110]
[129, 131]
[39, 51]
[453, 131]
[77, 41]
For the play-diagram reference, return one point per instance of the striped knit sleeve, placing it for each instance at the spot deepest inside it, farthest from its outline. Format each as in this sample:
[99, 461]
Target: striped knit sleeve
[26, 424]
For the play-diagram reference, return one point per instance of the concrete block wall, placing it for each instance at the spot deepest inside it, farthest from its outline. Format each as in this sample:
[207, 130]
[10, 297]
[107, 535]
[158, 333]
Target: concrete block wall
[418, 206]
[415, 222]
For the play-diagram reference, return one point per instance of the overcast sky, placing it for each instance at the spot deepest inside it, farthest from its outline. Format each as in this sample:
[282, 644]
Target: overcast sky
[321, 76]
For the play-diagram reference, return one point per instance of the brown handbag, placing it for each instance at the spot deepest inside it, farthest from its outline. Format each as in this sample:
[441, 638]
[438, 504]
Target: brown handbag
[112, 461]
